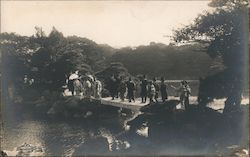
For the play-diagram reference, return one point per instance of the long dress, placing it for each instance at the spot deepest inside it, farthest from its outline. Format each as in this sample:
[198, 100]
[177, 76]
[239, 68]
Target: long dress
[131, 89]
[151, 92]
[144, 90]
[122, 90]
[164, 94]
[78, 87]
[112, 87]
[71, 86]
[184, 96]
[97, 89]
[88, 89]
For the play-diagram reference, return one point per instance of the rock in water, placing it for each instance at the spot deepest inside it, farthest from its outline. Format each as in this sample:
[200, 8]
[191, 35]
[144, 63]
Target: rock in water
[77, 107]
[30, 150]
[168, 106]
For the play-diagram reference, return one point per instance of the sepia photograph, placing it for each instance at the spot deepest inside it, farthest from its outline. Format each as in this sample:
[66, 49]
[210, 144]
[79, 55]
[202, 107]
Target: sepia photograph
[124, 78]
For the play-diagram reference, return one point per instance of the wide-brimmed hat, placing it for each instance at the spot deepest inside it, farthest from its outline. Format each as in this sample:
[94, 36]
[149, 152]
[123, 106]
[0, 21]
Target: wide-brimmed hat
[90, 77]
[73, 76]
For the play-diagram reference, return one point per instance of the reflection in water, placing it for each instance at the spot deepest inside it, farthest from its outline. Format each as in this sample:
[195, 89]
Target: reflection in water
[62, 136]
[114, 143]
[31, 132]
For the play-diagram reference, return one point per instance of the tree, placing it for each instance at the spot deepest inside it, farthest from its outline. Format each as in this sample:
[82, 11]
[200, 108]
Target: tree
[224, 33]
[16, 53]
[48, 59]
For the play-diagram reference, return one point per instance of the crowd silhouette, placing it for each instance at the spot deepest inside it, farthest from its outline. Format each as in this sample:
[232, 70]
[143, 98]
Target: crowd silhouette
[84, 85]
[149, 89]
[124, 88]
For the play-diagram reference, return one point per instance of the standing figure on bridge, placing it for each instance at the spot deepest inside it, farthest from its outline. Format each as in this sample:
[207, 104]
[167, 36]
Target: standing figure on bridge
[97, 88]
[78, 87]
[163, 89]
[72, 78]
[88, 87]
[157, 90]
[122, 88]
[112, 86]
[185, 92]
[144, 90]
[151, 91]
[131, 90]
[117, 84]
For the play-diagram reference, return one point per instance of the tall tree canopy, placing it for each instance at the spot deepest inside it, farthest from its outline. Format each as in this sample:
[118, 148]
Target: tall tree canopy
[224, 34]
[224, 31]
[48, 58]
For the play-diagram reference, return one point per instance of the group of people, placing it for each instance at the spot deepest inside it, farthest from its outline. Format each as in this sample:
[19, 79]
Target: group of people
[119, 87]
[152, 89]
[148, 89]
[85, 85]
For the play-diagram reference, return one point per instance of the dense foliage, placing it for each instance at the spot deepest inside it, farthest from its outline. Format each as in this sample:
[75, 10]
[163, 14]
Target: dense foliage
[49, 59]
[224, 34]
[172, 62]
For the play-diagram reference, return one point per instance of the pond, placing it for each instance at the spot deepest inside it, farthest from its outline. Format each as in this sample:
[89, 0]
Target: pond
[62, 136]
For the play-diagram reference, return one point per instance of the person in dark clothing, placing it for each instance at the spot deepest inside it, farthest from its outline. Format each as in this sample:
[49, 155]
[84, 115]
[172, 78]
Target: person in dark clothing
[71, 85]
[122, 89]
[131, 89]
[157, 89]
[112, 87]
[117, 84]
[163, 88]
[144, 83]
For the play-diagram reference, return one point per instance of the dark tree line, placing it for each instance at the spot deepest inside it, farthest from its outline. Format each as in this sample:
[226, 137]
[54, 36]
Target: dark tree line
[172, 62]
